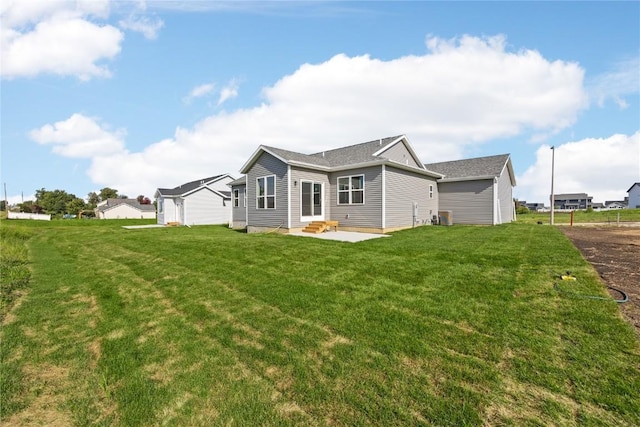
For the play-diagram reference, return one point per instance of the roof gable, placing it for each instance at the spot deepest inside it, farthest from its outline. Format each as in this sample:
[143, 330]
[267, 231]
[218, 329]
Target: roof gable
[189, 187]
[366, 153]
[634, 184]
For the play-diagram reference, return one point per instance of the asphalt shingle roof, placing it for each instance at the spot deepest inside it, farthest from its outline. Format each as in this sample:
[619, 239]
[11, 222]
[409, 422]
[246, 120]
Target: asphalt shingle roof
[132, 202]
[344, 156]
[185, 188]
[470, 168]
[240, 181]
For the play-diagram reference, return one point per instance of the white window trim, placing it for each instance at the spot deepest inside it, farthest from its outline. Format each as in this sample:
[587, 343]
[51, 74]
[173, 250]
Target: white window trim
[312, 216]
[266, 195]
[430, 191]
[236, 198]
[350, 190]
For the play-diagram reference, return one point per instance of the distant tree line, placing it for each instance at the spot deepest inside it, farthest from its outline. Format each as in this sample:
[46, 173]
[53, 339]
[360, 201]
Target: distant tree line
[59, 202]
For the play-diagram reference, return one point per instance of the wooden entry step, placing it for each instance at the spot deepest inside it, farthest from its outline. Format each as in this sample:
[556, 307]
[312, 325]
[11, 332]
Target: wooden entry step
[320, 226]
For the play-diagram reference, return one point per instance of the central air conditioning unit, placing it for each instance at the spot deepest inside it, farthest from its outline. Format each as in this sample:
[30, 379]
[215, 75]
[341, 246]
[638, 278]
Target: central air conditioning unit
[445, 217]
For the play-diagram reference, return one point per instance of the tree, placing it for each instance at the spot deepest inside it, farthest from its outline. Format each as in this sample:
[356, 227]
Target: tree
[143, 200]
[26, 206]
[108, 193]
[92, 200]
[75, 206]
[53, 202]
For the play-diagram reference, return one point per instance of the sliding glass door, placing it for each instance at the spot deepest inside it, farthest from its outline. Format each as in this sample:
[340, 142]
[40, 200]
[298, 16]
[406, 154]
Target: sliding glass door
[311, 201]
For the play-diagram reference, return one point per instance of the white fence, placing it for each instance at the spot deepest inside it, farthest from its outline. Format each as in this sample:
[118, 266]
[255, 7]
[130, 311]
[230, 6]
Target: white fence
[25, 215]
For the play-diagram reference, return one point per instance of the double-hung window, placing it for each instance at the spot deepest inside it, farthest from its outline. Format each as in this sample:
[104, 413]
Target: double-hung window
[236, 198]
[266, 192]
[430, 191]
[351, 190]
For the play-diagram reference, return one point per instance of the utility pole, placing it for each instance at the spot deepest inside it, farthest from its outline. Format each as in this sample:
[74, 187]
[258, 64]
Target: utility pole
[553, 155]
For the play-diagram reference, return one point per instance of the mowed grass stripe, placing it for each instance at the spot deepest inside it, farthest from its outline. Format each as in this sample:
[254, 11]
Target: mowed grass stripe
[121, 374]
[207, 326]
[279, 346]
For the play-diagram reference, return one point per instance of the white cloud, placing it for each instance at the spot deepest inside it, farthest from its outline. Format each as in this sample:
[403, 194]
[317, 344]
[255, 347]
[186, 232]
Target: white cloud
[80, 137]
[604, 168]
[230, 91]
[57, 37]
[145, 25]
[460, 93]
[622, 81]
[16, 13]
[60, 45]
[63, 37]
[199, 92]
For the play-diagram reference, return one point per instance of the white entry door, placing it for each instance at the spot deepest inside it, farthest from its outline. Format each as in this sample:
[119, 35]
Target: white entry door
[311, 197]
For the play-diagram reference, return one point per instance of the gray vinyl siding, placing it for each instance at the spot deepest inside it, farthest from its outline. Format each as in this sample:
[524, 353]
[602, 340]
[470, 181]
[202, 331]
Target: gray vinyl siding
[634, 196]
[399, 153]
[267, 165]
[297, 175]
[239, 213]
[471, 202]
[204, 207]
[367, 215]
[505, 199]
[403, 189]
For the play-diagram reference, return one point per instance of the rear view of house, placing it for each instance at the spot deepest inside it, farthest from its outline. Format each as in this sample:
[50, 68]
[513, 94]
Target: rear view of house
[199, 202]
[477, 191]
[376, 186]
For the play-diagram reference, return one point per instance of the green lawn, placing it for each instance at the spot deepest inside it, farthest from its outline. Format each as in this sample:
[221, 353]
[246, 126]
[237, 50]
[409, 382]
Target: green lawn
[178, 326]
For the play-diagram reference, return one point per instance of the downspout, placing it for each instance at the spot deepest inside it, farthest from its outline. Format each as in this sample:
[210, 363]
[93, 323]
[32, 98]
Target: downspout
[246, 202]
[384, 197]
[289, 197]
[184, 211]
[496, 202]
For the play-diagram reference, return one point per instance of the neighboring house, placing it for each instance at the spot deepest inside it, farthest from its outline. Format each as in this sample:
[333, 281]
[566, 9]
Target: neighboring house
[634, 196]
[572, 201]
[199, 202]
[477, 191]
[612, 204]
[377, 186]
[532, 206]
[124, 209]
[535, 206]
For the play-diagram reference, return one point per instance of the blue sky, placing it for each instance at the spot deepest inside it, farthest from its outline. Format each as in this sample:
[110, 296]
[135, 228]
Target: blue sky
[140, 95]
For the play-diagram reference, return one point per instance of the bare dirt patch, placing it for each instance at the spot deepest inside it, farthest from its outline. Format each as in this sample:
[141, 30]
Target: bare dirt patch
[615, 254]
